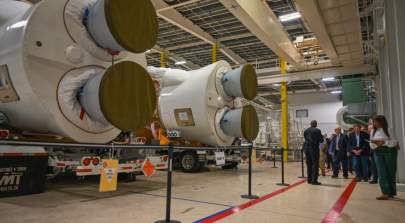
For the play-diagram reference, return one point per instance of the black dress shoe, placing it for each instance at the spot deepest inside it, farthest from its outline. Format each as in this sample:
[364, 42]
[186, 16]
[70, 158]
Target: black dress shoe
[358, 180]
[335, 177]
[316, 183]
[373, 182]
[346, 177]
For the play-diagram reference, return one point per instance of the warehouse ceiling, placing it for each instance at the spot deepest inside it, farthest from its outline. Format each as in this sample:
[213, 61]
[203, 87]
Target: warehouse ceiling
[329, 33]
[215, 18]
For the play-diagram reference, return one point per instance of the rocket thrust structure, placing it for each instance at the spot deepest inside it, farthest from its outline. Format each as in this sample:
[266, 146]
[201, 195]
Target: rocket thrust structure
[200, 103]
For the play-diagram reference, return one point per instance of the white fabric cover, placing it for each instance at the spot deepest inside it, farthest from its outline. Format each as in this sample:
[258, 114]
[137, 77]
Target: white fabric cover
[70, 105]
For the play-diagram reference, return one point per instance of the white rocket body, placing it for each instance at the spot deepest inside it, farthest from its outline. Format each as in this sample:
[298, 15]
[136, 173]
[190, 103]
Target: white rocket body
[198, 104]
[45, 54]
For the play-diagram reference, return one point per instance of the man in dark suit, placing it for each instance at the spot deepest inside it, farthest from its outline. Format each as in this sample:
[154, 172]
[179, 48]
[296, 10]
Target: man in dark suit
[339, 148]
[360, 151]
[313, 137]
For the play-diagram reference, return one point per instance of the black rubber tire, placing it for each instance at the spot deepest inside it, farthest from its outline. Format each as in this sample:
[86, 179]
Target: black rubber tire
[230, 165]
[131, 177]
[189, 162]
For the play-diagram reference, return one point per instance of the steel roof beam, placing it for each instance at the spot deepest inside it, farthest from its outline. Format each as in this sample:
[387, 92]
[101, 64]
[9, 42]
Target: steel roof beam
[309, 10]
[174, 17]
[188, 65]
[263, 23]
[178, 5]
[317, 74]
[304, 91]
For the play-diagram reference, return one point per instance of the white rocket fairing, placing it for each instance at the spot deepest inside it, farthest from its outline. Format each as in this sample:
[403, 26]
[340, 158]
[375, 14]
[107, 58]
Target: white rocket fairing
[199, 103]
[56, 70]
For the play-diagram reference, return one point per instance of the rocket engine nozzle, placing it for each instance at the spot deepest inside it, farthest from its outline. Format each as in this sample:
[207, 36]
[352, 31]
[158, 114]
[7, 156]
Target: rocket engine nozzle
[241, 82]
[241, 122]
[123, 96]
[124, 25]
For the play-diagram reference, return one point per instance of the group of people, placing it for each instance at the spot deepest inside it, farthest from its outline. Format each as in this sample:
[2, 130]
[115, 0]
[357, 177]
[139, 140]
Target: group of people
[370, 151]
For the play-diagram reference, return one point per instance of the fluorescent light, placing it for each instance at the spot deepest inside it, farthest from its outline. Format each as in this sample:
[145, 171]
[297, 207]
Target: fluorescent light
[336, 92]
[148, 51]
[326, 79]
[180, 62]
[277, 85]
[289, 17]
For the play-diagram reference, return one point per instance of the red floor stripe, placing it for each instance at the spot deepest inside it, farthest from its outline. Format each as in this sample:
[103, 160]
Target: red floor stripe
[337, 208]
[226, 213]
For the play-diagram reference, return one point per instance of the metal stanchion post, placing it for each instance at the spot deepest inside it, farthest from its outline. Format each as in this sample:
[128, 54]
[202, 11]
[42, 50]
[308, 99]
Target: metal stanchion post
[249, 195]
[274, 159]
[302, 164]
[169, 187]
[282, 169]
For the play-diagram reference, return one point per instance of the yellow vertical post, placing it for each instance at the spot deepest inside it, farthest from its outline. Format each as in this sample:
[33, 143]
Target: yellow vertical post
[214, 52]
[162, 59]
[284, 110]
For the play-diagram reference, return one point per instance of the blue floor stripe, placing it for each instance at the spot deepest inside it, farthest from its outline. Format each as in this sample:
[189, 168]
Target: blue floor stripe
[203, 219]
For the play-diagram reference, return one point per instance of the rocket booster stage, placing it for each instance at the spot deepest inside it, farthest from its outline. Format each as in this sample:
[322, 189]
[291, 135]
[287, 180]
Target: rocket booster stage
[200, 103]
[56, 70]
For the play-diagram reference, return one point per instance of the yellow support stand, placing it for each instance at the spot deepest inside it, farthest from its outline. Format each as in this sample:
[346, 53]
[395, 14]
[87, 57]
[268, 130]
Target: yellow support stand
[214, 52]
[162, 59]
[284, 110]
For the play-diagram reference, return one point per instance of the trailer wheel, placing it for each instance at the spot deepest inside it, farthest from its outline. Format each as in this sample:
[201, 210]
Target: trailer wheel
[189, 162]
[131, 177]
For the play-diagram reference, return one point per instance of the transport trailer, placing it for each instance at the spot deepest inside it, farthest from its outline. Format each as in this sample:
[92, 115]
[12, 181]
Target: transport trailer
[192, 161]
[82, 163]
[197, 157]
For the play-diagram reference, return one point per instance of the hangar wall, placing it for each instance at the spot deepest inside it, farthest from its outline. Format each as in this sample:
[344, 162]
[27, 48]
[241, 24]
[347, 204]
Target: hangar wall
[321, 107]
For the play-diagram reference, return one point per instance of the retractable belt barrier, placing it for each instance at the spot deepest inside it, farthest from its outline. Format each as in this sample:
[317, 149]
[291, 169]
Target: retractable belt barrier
[281, 150]
[170, 149]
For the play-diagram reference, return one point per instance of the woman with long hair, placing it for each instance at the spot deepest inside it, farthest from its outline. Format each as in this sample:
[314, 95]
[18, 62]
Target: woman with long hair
[385, 155]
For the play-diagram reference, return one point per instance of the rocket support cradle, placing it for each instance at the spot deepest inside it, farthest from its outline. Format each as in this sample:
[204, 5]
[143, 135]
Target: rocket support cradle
[56, 70]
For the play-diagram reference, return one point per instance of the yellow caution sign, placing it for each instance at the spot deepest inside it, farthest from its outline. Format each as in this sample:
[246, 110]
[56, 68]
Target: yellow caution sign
[108, 176]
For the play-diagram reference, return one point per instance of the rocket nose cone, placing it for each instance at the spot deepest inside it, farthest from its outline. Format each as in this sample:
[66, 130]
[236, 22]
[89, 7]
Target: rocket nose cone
[249, 123]
[133, 23]
[127, 96]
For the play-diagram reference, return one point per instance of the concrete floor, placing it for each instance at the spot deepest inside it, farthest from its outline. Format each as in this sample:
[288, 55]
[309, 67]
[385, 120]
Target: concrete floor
[200, 195]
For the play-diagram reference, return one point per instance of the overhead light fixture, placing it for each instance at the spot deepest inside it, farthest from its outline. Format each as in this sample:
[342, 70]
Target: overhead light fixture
[336, 92]
[289, 17]
[180, 62]
[326, 79]
[277, 85]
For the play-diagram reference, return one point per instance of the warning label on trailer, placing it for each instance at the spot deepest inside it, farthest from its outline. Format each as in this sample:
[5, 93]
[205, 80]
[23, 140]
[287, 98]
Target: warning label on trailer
[109, 173]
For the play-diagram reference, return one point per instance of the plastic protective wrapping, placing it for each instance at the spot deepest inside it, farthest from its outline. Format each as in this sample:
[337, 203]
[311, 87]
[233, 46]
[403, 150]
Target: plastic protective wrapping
[68, 90]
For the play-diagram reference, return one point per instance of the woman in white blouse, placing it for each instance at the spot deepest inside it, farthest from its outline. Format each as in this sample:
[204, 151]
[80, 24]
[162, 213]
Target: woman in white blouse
[385, 155]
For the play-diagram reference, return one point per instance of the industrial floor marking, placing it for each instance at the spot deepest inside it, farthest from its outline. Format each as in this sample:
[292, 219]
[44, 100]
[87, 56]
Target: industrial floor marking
[230, 211]
[337, 208]
[156, 195]
[185, 199]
